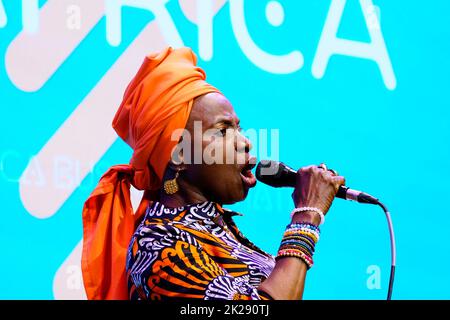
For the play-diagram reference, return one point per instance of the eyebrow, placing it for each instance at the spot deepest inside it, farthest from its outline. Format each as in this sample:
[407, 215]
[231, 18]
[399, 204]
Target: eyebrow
[228, 120]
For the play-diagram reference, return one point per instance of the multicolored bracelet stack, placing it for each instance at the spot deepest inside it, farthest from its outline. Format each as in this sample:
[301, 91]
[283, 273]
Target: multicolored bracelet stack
[299, 240]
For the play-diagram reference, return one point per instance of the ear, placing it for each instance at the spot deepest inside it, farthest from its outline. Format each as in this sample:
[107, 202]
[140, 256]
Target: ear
[176, 166]
[172, 169]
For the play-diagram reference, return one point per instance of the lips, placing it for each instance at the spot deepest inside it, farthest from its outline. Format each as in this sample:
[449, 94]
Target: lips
[248, 179]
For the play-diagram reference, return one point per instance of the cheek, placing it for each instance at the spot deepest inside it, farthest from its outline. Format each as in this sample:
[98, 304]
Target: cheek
[231, 187]
[224, 182]
[219, 150]
[221, 175]
[229, 146]
[214, 153]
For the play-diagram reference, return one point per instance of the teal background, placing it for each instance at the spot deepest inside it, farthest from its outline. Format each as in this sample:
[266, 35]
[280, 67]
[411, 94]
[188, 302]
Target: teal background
[393, 144]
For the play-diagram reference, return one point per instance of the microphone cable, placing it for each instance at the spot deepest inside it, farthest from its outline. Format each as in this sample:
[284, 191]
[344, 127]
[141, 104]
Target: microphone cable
[393, 249]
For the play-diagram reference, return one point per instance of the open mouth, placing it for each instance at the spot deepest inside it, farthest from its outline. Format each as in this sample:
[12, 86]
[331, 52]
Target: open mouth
[248, 179]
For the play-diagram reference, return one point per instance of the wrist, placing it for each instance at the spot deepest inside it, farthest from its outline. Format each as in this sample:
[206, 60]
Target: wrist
[306, 217]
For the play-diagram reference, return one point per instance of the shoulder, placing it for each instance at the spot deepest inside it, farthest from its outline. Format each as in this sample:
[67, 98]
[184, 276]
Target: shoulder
[152, 239]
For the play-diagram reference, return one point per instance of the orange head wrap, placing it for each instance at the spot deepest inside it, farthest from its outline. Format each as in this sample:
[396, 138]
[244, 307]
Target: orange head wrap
[157, 101]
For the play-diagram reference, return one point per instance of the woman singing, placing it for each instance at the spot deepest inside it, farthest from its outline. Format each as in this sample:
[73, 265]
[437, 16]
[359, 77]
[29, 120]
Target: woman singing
[181, 242]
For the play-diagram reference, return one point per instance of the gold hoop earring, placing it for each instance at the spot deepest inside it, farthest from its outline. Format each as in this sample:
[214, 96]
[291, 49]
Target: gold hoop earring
[171, 186]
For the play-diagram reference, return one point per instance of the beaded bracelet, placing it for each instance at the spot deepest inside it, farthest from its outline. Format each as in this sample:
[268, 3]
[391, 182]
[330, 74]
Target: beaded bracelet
[296, 243]
[292, 241]
[312, 235]
[306, 229]
[303, 228]
[301, 237]
[299, 241]
[298, 254]
[308, 226]
[298, 248]
[304, 224]
[293, 252]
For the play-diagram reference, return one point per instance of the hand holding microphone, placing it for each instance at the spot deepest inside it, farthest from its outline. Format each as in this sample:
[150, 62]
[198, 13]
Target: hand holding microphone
[316, 187]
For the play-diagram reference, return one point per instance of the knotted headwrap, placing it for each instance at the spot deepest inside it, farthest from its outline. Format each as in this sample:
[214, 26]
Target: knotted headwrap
[157, 101]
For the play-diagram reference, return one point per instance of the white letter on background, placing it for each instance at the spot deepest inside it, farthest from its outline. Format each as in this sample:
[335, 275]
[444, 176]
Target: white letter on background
[3, 18]
[282, 64]
[374, 280]
[376, 50]
[30, 15]
[157, 7]
[205, 16]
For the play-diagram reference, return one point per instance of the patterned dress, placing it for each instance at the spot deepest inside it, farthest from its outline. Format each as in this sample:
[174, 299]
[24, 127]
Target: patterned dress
[194, 252]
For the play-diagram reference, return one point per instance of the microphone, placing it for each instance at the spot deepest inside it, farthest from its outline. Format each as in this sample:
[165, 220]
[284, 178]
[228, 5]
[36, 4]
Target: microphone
[277, 174]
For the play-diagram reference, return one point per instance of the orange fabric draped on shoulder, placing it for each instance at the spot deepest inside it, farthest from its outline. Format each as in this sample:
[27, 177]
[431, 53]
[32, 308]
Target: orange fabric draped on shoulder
[157, 102]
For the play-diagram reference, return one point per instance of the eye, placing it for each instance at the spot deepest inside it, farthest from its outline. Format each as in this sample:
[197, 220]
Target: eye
[227, 125]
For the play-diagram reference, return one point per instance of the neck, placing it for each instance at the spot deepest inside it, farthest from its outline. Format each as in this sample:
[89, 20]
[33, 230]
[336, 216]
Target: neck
[186, 195]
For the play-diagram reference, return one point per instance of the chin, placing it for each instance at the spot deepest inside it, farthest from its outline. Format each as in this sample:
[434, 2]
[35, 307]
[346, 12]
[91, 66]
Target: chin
[232, 198]
[243, 192]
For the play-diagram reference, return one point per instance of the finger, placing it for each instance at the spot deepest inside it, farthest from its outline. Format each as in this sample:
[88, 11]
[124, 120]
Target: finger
[307, 169]
[326, 175]
[334, 172]
[338, 181]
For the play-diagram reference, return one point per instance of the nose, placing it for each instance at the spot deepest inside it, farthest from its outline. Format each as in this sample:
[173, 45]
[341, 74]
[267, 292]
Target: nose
[243, 143]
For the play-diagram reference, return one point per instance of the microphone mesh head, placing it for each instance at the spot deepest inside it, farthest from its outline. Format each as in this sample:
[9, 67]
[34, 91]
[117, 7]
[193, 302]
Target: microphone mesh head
[274, 173]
